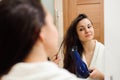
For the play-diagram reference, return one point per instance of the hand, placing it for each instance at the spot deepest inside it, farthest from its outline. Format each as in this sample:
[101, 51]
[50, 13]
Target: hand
[96, 74]
[55, 59]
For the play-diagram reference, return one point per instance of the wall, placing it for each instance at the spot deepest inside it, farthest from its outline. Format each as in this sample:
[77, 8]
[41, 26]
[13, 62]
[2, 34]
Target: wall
[49, 4]
[112, 38]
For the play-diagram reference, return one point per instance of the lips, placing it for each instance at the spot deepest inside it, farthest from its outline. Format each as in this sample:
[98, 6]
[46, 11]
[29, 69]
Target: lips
[88, 35]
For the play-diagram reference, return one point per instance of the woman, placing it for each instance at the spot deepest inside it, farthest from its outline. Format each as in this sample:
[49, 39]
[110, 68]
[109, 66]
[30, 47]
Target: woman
[81, 34]
[27, 38]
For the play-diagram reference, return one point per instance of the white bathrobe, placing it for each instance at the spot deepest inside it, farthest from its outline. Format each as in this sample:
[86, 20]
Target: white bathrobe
[98, 58]
[38, 71]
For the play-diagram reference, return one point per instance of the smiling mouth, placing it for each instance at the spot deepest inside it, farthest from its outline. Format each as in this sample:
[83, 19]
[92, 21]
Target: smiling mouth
[88, 35]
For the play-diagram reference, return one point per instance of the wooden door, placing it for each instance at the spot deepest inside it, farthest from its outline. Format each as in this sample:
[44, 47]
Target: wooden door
[94, 10]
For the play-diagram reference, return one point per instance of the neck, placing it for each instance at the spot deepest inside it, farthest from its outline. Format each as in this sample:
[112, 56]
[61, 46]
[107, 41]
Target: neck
[89, 46]
[37, 54]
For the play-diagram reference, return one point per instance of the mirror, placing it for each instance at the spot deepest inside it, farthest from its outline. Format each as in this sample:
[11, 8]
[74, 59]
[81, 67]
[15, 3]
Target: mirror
[108, 33]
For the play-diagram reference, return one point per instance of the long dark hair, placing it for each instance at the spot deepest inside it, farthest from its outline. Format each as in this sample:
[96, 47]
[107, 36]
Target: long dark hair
[71, 39]
[20, 25]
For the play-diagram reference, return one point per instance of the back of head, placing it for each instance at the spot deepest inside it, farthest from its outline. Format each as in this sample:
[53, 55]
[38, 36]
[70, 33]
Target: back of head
[20, 24]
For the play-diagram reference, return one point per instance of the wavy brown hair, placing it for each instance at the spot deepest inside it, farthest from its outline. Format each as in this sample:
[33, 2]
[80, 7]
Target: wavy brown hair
[71, 39]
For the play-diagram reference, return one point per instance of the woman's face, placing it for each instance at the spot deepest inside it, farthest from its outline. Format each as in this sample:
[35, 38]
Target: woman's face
[51, 36]
[85, 30]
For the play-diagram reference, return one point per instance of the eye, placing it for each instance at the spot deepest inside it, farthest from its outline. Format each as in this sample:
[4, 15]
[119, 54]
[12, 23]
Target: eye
[89, 26]
[81, 29]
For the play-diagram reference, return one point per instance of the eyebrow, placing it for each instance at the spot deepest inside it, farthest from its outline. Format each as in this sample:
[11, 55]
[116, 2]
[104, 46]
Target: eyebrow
[80, 26]
[89, 24]
[83, 26]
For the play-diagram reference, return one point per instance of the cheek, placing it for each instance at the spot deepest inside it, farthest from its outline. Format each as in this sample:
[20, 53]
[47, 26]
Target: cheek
[81, 36]
[53, 43]
[93, 32]
[54, 38]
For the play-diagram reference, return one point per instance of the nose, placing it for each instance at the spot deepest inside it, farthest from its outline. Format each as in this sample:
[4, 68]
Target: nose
[86, 30]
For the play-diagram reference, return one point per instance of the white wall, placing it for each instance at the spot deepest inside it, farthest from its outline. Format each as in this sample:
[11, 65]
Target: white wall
[59, 23]
[59, 19]
[49, 4]
[112, 38]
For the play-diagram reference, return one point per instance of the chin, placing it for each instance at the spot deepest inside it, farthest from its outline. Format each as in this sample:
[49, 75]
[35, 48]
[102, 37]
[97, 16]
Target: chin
[88, 39]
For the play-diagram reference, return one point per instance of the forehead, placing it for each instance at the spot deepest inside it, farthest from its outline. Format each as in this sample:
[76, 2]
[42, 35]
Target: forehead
[83, 22]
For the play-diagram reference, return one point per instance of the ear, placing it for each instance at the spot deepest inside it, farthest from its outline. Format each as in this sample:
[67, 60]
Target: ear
[41, 36]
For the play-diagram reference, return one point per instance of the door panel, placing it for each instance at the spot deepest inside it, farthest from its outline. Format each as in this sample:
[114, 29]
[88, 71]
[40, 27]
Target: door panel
[87, 1]
[94, 10]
